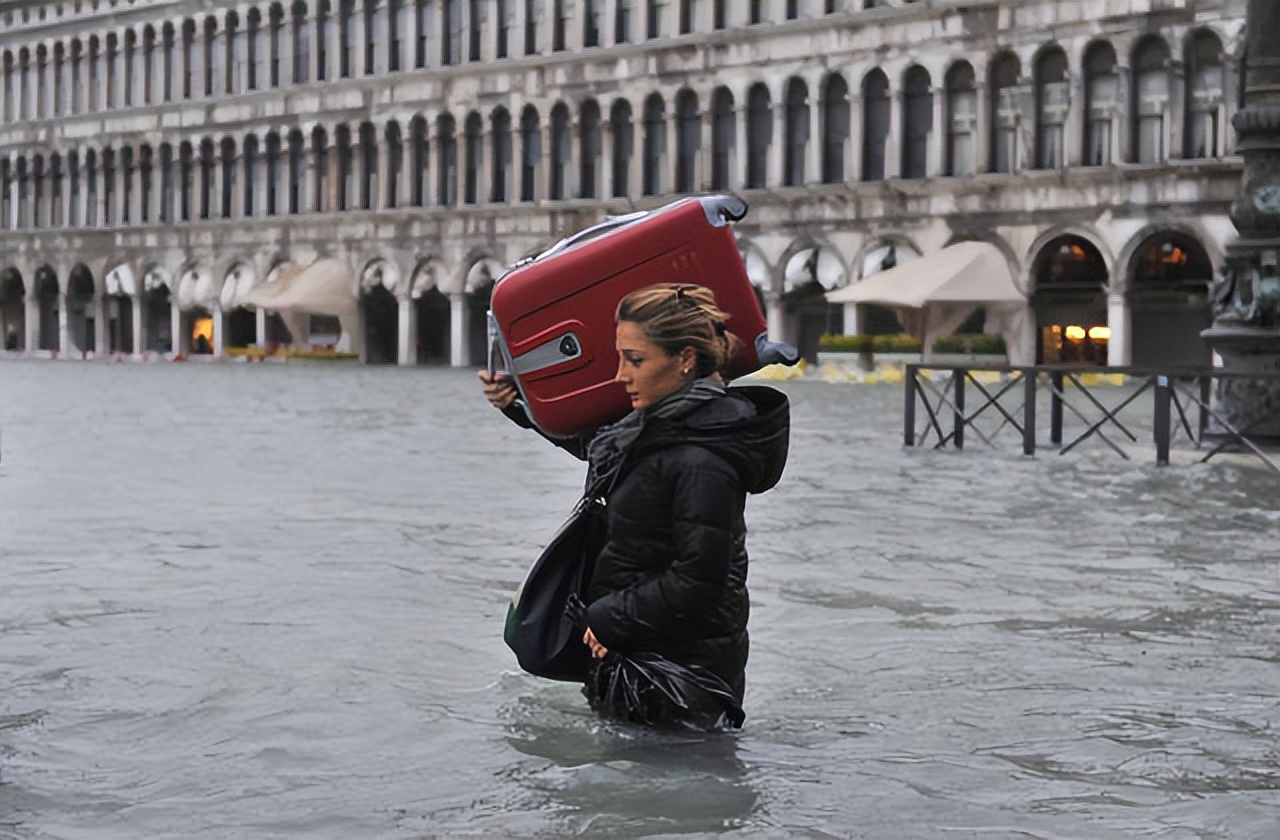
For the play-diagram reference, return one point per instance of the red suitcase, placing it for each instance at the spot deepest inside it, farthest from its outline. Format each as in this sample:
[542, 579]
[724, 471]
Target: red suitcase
[551, 318]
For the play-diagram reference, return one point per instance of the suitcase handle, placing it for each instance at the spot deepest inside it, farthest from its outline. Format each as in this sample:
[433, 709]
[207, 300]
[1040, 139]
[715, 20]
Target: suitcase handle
[722, 209]
[591, 232]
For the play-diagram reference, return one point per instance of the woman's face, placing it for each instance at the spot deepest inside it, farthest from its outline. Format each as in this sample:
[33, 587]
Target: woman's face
[646, 370]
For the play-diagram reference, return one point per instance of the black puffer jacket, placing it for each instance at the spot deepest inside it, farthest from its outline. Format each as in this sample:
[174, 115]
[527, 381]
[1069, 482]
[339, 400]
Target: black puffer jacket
[672, 576]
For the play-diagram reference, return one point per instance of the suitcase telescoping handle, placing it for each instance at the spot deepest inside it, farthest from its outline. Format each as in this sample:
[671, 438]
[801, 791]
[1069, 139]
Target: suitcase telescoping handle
[591, 232]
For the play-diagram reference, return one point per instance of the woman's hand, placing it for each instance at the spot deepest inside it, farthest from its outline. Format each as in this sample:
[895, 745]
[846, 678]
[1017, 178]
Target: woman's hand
[499, 389]
[597, 650]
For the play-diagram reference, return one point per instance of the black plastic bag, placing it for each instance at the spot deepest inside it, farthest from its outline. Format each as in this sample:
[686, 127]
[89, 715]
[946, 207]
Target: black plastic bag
[651, 690]
[545, 636]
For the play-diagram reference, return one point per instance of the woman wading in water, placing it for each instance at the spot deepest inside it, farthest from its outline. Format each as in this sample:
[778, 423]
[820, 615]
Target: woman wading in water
[671, 579]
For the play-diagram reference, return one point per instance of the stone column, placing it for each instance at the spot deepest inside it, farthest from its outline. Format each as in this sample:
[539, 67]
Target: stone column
[1119, 346]
[982, 123]
[64, 326]
[458, 330]
[775, 316]
[380, 182]
[741, 149]
[935, 160]
[101, 343]
[777, 148]
[219, 330]
[605, 178]
[32, 325]
[134, 177]
[357, 38]
[175, 327]
[260, 328]
[814, 146]
[893, 143]
[407, 353]
[484, 174]
[1175, 111]
[138, 343]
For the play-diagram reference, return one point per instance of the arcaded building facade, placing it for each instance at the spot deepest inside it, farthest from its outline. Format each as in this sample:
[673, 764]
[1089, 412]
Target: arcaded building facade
[159, 159]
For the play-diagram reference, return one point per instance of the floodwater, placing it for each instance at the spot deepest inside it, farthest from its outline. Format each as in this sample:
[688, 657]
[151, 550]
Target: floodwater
[266, 601]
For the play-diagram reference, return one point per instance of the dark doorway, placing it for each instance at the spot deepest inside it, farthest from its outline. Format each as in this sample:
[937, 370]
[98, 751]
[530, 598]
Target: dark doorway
[80, 314]
[242, 328]
[158, 320]
[381, 326]
[13, 311]
[1169, 302]
[478, 325]
[47, 298]
[434, 328]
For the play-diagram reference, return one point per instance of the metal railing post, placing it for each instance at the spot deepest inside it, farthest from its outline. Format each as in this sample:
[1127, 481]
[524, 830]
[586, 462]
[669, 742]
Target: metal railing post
[909, 407]
[1206, 391]
[958, 421]
[1055, 409]
[1161, 421]
[1028, 412]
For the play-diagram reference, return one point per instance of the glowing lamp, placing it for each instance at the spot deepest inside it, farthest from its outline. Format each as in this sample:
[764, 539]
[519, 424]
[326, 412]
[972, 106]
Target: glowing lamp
[1075, 333]
[1100, 333]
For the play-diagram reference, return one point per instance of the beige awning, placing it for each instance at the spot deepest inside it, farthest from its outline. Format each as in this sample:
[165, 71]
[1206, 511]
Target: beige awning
[322, 288]
[967, 272]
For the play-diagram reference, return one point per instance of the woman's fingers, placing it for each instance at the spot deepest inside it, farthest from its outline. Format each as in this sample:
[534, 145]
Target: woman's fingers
[498, 390]
[598, 650]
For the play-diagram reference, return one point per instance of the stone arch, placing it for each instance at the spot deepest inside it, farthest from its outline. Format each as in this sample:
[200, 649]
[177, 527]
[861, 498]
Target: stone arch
[46, 292]
[157, 313]
[432, 313]
[240, 322]
[1034, 255]
[380, 311]
[1068, 281]
[759, 270]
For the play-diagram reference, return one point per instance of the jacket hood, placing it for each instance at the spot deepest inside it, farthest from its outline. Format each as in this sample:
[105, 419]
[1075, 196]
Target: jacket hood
[749, 427]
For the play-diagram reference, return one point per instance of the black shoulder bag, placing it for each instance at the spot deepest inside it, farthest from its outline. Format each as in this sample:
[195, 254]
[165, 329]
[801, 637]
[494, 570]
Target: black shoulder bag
[544, 618]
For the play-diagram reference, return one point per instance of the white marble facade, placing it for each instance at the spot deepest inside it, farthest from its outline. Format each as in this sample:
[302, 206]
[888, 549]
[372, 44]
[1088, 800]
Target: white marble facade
[159, 159]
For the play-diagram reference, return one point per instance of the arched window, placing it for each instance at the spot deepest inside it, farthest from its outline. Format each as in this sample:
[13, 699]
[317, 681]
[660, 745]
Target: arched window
[95, 71]
[109, 185]
[655, 144]
[418, 151]
[561, 149]
[473, 133]
[235, 55]
[1006, 113]
[475, 15]
[1150, 100]
[447, 161]
[398, 27]
[275, 35]
[375, 33]
[1101, 104]
[42, 82]
[150, 67]
[623, 131]
[450, 31]
[653, 19]
[301, 44]
[500, 158]
[255, 67]
[531, 17]
[835, 128]
[77, 76]
[168, 66]
[251, 176]
[559, 23]
[55, 191]
[1052, 103]
[503, 30]
[797, 118]
[759, 136]
[323, 20]
[346, 166]
[74, 218]
[346, 60]
[368, 166]
[622, 22]
[207, 57]
[112, 59]
[8, 93]
[962, 120]
[272, 196]
[530, 152]
[228, 177]
[91, 187]
[422, 14]
[591, 24]
[186, 182]
[589, 149]
[723, 132]
[395, 165]
[37, 191]
[297, 166]
[320, 168]
[688, 140]
[917, 122]
[1204, 104]
[164, 211]
[687, 16]
[146, 166]
[129, 74]
[875, 124]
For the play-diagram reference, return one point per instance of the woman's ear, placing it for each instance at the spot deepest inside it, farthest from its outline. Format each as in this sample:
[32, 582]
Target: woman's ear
[689, 360]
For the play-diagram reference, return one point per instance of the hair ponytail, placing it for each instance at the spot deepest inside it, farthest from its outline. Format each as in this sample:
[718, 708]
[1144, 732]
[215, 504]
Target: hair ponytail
[679, 315]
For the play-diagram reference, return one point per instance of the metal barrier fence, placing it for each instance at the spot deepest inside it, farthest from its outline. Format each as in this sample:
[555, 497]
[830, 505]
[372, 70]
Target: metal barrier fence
[1182, 404]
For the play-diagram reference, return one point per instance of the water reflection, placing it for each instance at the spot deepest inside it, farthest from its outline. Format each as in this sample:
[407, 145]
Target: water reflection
[607, 779]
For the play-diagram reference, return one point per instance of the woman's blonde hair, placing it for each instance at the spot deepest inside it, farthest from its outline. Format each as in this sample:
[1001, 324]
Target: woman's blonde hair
[679, 315]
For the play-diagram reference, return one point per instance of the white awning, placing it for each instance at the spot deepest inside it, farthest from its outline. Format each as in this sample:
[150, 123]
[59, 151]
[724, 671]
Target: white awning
[322, 288]
[967, 272]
